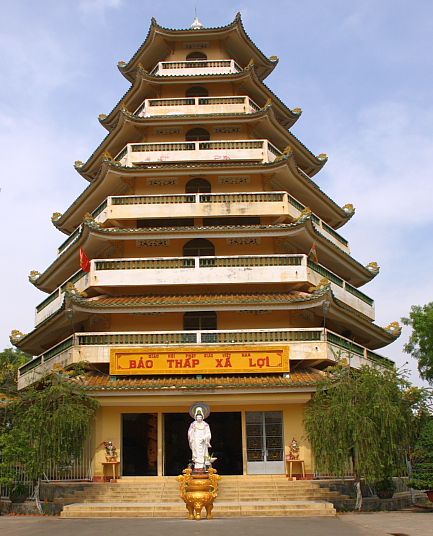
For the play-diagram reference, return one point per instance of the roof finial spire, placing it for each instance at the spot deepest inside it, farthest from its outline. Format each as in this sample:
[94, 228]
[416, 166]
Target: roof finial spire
[196, 23]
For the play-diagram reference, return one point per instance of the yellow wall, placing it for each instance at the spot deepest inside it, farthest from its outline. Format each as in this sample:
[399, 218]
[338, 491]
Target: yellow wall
[108, 423]
[227, 320]
[178, 133]
[176, 185]
[215, 89]
[174, 248]
[213, 51]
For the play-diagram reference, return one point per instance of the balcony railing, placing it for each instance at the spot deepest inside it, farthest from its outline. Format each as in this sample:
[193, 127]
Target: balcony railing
[209, 205]
[240, 269]
[203, 151]
[195, 67]
[321, 225]
[197, 105]
[54, 301]
[306, 344]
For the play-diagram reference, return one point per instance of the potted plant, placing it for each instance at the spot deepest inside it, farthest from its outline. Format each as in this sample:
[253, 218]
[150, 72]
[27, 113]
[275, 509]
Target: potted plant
[385, 488]
[422, 459]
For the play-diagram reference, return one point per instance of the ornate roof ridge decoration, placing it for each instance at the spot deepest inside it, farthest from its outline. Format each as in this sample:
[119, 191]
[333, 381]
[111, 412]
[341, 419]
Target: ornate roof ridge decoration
[373, 267]
[16, 336]
[142, 75]
[56, 217]
[349, 209]
[394, 329]
[34, 275]
[155, 30]
[71, 292]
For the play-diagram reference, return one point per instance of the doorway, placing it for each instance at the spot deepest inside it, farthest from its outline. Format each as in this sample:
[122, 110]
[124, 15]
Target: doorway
[226, 429]
[265, 442]
[139, 444]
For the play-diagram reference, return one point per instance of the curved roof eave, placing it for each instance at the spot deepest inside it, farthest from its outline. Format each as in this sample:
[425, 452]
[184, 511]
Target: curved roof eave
[161, 33]
[338, 214]
[380, 336]
[286, 116]
[91, 228]
[124, 118]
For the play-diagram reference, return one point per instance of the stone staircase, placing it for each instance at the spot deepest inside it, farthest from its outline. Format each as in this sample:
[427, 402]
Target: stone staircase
[267, 495]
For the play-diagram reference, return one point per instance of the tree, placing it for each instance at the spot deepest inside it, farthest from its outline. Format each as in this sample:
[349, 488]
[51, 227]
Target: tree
[45, 424]
[360, 420]
[422, 458]
[10, 361]
[420, 345]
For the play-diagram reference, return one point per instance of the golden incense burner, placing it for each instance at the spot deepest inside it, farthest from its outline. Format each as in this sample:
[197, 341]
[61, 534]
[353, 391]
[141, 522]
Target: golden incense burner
[198, 489]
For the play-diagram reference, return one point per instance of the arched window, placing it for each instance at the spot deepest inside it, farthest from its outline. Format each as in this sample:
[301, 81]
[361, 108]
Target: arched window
[198, 186]
[197, 134]
[199, 247]
[197, 91]
[193, 56]
[200, 320]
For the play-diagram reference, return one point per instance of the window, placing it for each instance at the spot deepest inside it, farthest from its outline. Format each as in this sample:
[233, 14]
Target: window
[194, 56]
[197, 91]
[199, 247]
[200, 320]
[198, 186]
[197, 134]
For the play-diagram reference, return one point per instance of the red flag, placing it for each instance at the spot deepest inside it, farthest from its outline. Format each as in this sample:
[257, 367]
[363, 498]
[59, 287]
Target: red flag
[312, 254]
[84, 261]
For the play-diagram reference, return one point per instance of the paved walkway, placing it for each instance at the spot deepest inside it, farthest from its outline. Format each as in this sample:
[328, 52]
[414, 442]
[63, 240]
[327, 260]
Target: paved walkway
[374, 524]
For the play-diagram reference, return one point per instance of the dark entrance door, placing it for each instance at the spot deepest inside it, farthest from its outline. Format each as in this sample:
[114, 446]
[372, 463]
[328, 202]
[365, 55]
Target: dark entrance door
[226, 442]
[139, 444]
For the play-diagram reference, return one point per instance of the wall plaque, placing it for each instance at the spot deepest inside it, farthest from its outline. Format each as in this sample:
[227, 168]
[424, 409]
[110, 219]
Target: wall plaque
[168, 131]
[226, 130]
[199, 360]
[161, 182]
[197, 45]
[244, 241]
[234, 180]
[155, 243]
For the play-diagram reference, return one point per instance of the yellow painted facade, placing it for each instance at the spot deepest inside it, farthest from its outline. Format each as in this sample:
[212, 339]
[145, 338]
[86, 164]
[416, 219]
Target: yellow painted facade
[208, 243]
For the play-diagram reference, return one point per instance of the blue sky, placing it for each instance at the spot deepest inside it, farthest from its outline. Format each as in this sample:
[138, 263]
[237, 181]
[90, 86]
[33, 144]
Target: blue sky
[362, 71]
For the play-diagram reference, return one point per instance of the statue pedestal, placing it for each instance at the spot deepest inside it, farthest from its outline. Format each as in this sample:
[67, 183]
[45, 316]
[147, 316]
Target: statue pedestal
[198, 489]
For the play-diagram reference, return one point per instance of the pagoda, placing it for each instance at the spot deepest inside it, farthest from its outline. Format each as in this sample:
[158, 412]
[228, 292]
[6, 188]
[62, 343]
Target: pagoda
[217, 269]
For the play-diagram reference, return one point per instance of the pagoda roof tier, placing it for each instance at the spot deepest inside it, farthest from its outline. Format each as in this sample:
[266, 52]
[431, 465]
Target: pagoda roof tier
[92, 237]
[129, 129]
[247, 81]
[339, 315]
[159, 43]
[283, 175]
[99, 384]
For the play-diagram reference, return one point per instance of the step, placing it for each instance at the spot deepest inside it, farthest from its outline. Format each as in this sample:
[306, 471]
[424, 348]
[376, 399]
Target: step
[172, 510]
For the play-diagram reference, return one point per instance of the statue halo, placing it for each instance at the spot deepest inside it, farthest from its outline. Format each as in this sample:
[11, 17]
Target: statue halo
[204, 408]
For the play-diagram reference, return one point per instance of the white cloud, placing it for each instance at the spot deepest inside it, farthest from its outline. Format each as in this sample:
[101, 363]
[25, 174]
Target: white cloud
[381, 164]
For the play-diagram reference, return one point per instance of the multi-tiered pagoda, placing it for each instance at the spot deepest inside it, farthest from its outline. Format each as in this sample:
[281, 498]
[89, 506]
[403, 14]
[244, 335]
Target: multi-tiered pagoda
[216, 270]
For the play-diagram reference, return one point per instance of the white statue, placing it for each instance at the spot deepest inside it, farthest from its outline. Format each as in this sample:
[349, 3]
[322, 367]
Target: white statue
[199, 437]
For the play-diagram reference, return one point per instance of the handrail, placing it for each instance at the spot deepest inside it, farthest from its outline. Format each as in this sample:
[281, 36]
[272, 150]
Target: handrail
[170, 263]
[194, 64]
[198, 102]
[265, 336]
[263, 144]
